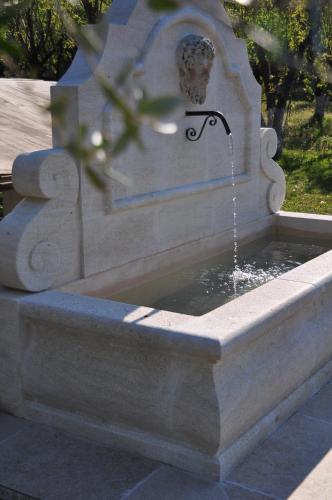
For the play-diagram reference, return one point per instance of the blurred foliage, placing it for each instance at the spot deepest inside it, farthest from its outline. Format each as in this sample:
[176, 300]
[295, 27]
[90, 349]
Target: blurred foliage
[163, 5]
[35, 40]
[37, 30]
[39, 40]
[289, 45]
[290, 50]
[93, 9]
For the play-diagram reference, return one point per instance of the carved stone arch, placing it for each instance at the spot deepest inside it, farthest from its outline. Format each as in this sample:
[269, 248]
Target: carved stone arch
[190, 15]
[237, 71]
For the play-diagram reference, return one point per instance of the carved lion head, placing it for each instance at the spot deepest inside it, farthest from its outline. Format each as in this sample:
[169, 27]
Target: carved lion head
[195, 56]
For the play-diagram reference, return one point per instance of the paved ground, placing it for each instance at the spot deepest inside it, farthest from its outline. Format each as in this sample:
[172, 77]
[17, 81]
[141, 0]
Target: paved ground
[24, 125]
[295, 462]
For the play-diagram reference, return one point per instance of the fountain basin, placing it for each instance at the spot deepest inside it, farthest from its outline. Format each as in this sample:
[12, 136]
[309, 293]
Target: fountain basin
[195, 392]
[204, 285]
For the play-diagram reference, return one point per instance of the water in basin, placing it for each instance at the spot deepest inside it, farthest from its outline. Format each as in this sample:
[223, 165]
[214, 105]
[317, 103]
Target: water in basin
[206, 285]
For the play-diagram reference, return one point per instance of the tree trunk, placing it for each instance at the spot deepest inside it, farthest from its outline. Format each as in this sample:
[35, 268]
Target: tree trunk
[315, 50]
[321, 102]
[278, 122]
[270, 108]
[93, 9]
[282, 99]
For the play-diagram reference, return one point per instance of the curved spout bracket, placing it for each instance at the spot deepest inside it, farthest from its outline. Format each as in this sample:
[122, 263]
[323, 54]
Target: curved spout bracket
[211, 117]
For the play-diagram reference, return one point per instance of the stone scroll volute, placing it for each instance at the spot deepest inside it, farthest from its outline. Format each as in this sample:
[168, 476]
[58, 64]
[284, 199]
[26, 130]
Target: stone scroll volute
[39, 239]
[277, 190]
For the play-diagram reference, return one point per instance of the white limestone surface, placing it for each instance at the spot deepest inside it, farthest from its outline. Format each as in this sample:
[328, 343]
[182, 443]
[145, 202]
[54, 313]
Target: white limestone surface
[195, 392]
[176, 192]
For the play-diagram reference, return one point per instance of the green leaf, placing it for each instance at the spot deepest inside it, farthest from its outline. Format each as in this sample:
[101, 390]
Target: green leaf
[160, 106]
[113, 97]
[163, 4]
[57, 108]
[95, 178]
[122, 143]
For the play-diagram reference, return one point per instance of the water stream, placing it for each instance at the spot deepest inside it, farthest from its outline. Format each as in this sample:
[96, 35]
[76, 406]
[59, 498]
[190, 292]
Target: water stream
[236, 271]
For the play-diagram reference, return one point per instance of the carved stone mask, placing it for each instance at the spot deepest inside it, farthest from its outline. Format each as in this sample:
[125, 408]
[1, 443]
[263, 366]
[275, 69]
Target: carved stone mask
[195, 56]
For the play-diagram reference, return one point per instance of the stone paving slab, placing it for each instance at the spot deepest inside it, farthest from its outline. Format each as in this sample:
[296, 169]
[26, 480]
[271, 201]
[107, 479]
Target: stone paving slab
[10, 426]
[39, 462]
[295, 461]
[174, 484]
[282, 463]
[47, 464]
[320, 406]
[10, 494]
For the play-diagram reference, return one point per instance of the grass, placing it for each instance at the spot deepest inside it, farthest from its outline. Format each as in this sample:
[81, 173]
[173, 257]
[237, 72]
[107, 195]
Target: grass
[301, 199]
[307, 162]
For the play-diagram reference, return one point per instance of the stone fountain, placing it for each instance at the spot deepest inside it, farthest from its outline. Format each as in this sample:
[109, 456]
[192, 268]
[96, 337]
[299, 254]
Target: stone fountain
[195, 392]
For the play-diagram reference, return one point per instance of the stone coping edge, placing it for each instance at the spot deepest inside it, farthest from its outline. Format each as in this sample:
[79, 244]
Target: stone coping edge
[209, 336]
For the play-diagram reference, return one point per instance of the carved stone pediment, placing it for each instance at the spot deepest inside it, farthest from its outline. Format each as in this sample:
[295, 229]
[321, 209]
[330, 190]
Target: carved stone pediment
[176, 192]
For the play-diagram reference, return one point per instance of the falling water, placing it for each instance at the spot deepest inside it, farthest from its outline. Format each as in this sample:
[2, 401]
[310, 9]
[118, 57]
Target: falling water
[236, 271]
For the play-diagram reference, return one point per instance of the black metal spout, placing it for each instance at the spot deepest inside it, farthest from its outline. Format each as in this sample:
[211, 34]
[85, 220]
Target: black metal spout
[211, 116]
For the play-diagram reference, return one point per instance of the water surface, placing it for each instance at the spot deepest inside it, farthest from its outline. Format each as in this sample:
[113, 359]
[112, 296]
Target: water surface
[204, 286]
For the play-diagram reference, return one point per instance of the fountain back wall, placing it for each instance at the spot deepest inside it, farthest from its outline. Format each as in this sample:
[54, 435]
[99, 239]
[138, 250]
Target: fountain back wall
[167, 198]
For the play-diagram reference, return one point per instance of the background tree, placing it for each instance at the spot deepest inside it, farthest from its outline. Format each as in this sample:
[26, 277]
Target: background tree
[94, 8]
[46, 48]
[39, 30]
[290, 43]
[319, 55]
[277, 34]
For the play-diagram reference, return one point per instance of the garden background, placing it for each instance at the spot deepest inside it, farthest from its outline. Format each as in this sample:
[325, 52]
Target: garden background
[290, 49]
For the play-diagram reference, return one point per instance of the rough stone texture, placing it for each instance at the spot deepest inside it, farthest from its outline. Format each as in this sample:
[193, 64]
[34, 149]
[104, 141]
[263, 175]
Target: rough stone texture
[10, 494]
[176, 192]
[320, 406]
[44, 463]
[10, 426]
[173, 484]
[10, 359]
[293, 463]
[40, 238]
[238, 492]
